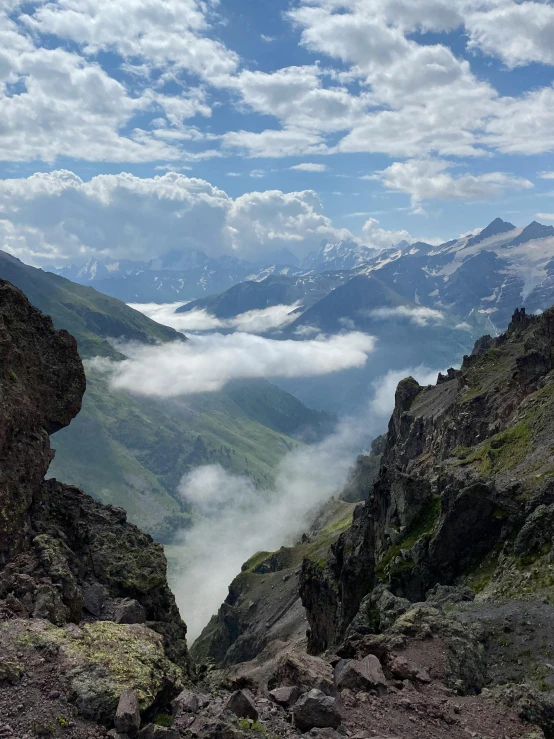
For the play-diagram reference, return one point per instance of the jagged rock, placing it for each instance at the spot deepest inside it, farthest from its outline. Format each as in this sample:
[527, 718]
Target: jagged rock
[304, 671]
[536, 533]
[286, 696]
[442, 595]
[242, 704]
[42, 382]
[62, 540]
[127, 715]
[151, 731]
[377, 612]
[129, 611]
[189, 702]
[316, 710]
[49, 605]
[358, 675]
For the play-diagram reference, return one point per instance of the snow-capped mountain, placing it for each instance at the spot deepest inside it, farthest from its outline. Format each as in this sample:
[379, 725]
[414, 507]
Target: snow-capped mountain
[489, 274]
[174, 276]
[483, 275]
[339, 256]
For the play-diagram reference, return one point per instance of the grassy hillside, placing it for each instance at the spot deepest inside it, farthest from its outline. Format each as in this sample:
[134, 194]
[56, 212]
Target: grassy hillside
[132, 451]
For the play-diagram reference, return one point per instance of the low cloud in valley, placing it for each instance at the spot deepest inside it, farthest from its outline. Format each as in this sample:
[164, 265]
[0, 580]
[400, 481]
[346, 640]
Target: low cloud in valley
[207, 363]
[236, 520]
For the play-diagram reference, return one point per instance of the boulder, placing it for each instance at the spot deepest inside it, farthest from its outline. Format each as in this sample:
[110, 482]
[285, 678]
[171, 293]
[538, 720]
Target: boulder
[316, 710]
[242, 704]
[129, 611]
[95, 597]
[402, 669]
[286, 696]
[358, 675]
[304, 671]
[188, 701]
[127, 716]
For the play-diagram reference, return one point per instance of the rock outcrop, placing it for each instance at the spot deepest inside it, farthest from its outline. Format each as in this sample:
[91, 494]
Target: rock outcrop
[466, 470]
[66, 560]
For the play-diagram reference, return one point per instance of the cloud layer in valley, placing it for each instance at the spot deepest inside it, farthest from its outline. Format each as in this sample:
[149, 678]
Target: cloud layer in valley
[207, 363]
[244, 520]
[251, 322]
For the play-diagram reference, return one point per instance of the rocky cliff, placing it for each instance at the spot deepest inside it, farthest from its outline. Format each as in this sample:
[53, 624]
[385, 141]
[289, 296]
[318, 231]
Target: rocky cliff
[77, 582]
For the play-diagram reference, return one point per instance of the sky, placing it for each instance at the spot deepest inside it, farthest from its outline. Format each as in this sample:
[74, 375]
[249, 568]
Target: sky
[242, 127]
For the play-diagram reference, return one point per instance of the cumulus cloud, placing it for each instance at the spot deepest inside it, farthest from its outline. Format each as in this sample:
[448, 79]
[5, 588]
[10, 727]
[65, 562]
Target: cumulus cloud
[419, 315]
[245, 520]
[546, 216]
[516, 32]
[381, 238]
[251, 322]
[546, 175]
[428, 179]
[56, 218]
[207, 363]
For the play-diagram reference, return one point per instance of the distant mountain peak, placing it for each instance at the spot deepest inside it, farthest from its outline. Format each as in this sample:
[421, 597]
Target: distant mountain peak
[341, 255]
[496, 227]
[534, 230]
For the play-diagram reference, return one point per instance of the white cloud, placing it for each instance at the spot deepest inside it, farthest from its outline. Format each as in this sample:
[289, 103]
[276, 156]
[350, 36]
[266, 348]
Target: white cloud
[546, 216]
[546, 175]
[522, 125]
[273, 143]
[274, 220]
[245, 520]
[516, 32]
[427, 179]
[57, 102]
[252, 322]
[309, 167]
[162, 32]
[420, 315]
[381, 238]
[207, 363]
[56, 218]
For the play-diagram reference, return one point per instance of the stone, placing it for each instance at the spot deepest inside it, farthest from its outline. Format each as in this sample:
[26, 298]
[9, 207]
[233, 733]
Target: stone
[127, 716]
[10, 670]
[402, 669]
[94, 598]
[242, 704]
[151, 731]
[358, 675]
[189, 701]
[316, 710]
[129, 611]
[286, 696]
[305, 671]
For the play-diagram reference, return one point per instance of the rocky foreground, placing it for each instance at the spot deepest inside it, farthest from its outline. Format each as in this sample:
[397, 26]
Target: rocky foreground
[430, 616]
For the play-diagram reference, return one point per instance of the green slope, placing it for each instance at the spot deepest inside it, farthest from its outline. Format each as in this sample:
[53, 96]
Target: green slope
[132, 451]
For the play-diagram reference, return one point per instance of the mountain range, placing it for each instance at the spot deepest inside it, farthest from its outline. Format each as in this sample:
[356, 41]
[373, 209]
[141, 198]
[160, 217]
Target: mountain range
[478, 278]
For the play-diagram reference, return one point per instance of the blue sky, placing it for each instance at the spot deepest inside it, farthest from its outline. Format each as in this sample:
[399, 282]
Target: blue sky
[244, 126]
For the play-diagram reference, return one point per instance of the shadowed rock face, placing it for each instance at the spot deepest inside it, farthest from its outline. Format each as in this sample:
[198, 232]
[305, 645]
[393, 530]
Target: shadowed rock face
[58, 546]
[42, 383]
